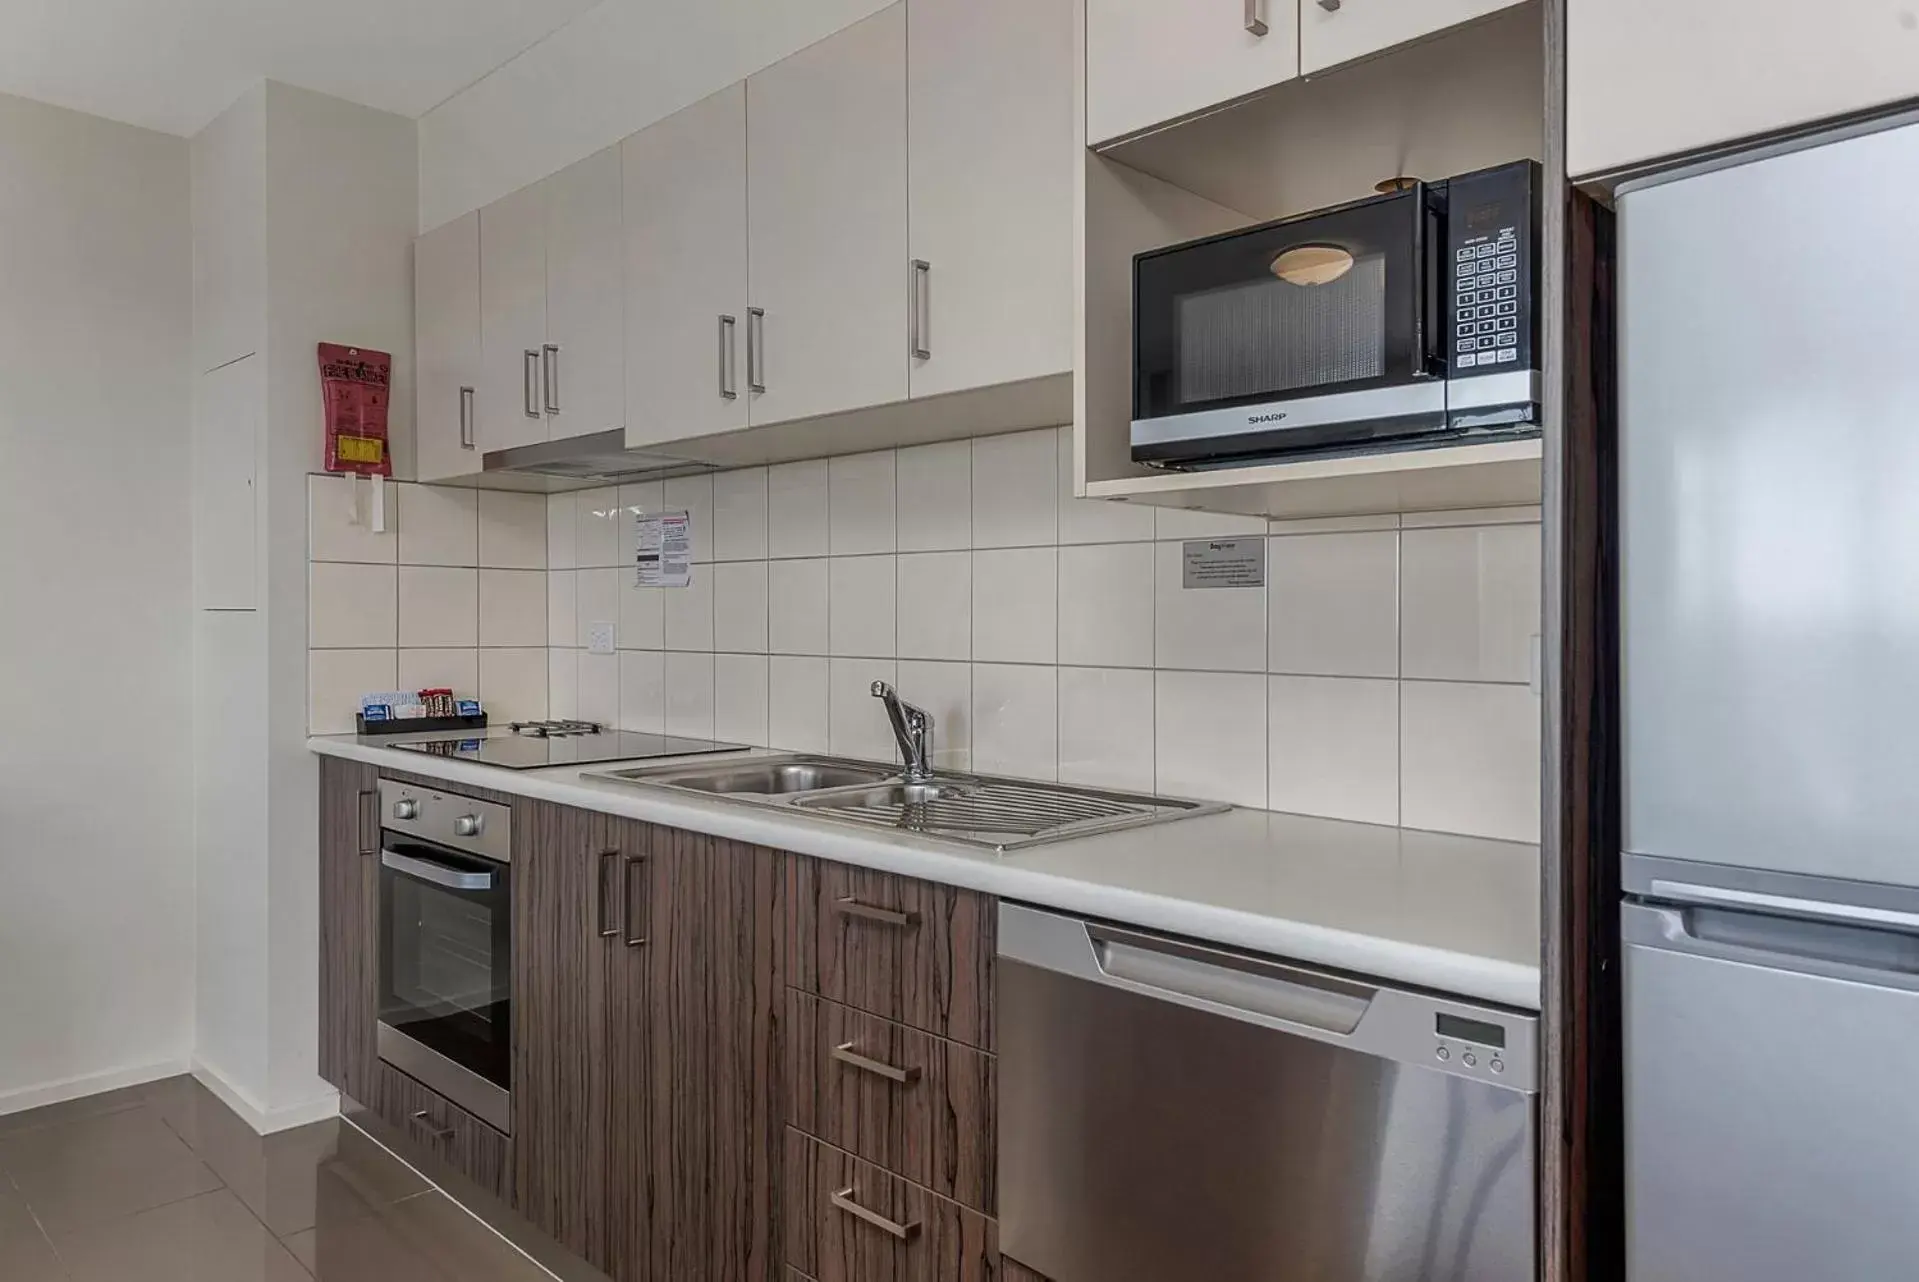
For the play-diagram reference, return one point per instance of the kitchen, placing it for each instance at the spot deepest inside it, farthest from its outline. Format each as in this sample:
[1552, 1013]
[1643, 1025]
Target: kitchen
[889, 644]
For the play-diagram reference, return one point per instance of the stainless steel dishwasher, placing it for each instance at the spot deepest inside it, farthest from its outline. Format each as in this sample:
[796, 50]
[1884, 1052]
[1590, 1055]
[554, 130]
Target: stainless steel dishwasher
[1171, 1111]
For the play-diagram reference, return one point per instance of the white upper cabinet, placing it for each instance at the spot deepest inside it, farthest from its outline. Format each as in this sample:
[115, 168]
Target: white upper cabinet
[826, 225]
[583, 379]
[1648, 79]
[686, 272]
[990, 121]
[512, 319]
[1341, 31]
[446, 343]
[1153, 61]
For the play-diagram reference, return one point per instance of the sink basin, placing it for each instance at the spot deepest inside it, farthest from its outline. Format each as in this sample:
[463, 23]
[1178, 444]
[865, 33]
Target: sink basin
[760, 778]
[885, 797]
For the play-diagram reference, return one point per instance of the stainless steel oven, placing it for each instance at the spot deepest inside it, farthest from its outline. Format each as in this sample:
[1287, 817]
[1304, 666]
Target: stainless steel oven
[446, 946]
[1405, 320]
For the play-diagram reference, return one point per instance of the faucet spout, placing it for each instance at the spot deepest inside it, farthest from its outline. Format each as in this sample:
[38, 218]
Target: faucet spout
[913, 728]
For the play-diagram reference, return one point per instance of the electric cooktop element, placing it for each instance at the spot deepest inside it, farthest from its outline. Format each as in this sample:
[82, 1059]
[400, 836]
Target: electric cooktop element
[534, 745]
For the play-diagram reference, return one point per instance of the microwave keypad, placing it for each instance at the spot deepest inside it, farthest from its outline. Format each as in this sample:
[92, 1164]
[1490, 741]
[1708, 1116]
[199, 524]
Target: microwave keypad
[1485, 301]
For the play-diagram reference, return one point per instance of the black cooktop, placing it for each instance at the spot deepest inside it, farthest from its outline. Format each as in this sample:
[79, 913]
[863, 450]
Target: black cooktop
[534, 745]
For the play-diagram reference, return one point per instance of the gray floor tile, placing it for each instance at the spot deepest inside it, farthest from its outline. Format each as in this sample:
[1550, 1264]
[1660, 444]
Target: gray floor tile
[72, 1110]
[436, 1227]
[102, 1168]
[361, 1248]
[212, 1238]
[25, 1253]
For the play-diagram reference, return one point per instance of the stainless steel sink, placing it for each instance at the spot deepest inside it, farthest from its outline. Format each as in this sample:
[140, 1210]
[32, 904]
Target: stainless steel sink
[780, 776]
[982, 811]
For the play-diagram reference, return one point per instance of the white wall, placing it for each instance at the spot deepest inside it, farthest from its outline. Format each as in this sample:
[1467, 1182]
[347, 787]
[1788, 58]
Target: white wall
[609, 73]
[96, 654]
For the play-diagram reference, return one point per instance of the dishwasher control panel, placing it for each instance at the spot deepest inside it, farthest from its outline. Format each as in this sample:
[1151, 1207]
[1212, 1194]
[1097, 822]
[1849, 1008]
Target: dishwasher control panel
[1476, 1045]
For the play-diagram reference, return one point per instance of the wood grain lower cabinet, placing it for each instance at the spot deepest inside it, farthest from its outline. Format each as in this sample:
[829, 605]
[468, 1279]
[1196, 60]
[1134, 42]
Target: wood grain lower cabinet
[1011, 1270]
[918, 1105]
[349, 924]
[448, 1131]
[850, 1221]
[911, 951]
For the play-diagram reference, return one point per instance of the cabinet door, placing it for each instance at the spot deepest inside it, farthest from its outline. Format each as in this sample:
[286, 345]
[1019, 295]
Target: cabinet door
[564, 862]
[446, 346]
[826, 222]
[991, 156]
[685, 212]
[1647, 78]
[1354, 29]
[513, 319]
[584, 381]
[349, 925]
[630, 1051]
[1151, 61]
[715, 996]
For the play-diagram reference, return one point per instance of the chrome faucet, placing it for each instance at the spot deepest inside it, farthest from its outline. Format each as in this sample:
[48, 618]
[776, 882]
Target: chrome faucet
[913, 727]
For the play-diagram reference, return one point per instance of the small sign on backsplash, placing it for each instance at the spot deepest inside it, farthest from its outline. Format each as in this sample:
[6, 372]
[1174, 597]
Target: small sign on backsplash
[1223, 563]
[664, 556]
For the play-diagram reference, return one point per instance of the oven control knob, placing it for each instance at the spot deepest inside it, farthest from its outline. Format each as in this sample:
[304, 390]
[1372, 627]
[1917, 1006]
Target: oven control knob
[468, 826]
[406, 808]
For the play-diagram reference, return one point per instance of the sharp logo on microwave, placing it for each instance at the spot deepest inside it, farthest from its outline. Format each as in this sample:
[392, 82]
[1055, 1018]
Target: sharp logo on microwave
[1265, 418]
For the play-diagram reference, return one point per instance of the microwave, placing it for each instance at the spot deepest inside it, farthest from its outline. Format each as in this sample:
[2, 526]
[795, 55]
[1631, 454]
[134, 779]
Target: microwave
[1403, 321]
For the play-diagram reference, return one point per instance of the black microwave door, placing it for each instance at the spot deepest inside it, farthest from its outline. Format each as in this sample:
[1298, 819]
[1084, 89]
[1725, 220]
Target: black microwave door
[1329, 302]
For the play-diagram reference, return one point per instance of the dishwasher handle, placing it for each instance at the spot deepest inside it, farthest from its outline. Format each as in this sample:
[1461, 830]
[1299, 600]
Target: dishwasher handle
[1228, 981]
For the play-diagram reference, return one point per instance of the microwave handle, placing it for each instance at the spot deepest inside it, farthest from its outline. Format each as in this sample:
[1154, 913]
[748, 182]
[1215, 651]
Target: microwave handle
[1429, 251]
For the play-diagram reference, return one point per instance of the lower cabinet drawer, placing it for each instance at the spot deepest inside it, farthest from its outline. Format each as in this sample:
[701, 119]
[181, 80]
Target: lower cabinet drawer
[444, 1129]
[918, 1105]
[849, 1221]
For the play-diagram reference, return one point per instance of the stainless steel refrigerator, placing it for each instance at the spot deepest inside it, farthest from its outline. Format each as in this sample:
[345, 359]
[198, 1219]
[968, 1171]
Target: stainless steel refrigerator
[1769, 471]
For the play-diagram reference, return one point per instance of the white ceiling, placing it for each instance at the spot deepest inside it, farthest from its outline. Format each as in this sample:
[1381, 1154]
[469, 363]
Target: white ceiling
[173, 65]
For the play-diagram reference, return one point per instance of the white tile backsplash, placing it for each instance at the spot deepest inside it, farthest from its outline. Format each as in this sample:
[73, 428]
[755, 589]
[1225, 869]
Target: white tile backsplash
[860, 504]
[934, 489]
[1106, 727]
[1016, 719]
[1016, 605]
[1334, 747]
[439, 526]
[1209, 731]
[1333, 604]
[1398, 648]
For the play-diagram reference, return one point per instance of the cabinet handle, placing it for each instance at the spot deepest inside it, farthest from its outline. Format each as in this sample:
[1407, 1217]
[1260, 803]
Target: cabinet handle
[466, 418]
[550, 367]
[636, 917]
[423, 1123]
[756, 349]
[530, 377]
[843, 1201]
[1256, 16]
[922, 309]
[728, 388]
[609, 892]
[847, 906]
[846, 1055]
[1330, 6]
[369, 823]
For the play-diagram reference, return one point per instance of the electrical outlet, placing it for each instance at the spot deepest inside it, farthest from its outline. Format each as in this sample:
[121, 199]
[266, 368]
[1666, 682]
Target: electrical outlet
[599, 638]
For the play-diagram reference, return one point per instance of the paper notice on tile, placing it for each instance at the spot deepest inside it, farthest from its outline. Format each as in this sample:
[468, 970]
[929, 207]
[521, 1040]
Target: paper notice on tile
[665, 552]
[1223, 563]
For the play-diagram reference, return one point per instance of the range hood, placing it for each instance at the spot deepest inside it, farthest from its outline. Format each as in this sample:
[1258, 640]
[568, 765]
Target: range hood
[580, 461]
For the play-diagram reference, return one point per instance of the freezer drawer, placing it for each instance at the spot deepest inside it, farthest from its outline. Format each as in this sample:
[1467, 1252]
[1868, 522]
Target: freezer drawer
[1772, 1118]
[1171, 1111]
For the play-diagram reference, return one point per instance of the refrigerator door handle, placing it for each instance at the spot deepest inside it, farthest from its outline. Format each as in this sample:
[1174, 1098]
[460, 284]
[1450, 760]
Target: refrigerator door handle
[1785, 905]
[1830, 949]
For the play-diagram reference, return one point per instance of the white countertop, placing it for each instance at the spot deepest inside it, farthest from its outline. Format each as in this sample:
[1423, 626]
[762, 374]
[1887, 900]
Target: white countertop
[1457, 914]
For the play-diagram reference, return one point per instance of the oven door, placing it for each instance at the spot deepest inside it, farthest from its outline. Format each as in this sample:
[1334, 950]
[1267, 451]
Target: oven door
[1314, 334]
[446, 974]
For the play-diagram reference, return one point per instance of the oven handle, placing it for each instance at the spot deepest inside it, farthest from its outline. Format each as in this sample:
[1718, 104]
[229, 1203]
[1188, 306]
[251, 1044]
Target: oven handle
[438, 874]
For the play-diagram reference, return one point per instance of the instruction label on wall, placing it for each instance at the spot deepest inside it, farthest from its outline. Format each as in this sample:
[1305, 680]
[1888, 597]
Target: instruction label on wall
[1224, 563]
[665, 552]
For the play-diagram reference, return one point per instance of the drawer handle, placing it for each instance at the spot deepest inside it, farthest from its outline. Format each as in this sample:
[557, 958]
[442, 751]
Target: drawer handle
[423, 1122]
[847, 906]
[846, 1055]
[843, 1201]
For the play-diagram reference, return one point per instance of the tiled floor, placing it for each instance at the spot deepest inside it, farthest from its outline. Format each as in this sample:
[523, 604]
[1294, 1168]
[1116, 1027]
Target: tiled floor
[163, 1183]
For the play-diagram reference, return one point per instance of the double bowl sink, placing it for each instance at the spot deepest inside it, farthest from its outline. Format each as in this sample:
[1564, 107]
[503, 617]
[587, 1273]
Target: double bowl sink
[981, 811]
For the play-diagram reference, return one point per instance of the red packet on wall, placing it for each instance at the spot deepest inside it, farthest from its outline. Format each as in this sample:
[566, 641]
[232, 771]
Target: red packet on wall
[354, 388]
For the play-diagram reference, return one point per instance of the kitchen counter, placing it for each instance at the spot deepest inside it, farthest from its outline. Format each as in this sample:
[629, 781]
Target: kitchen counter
[1457, 914]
